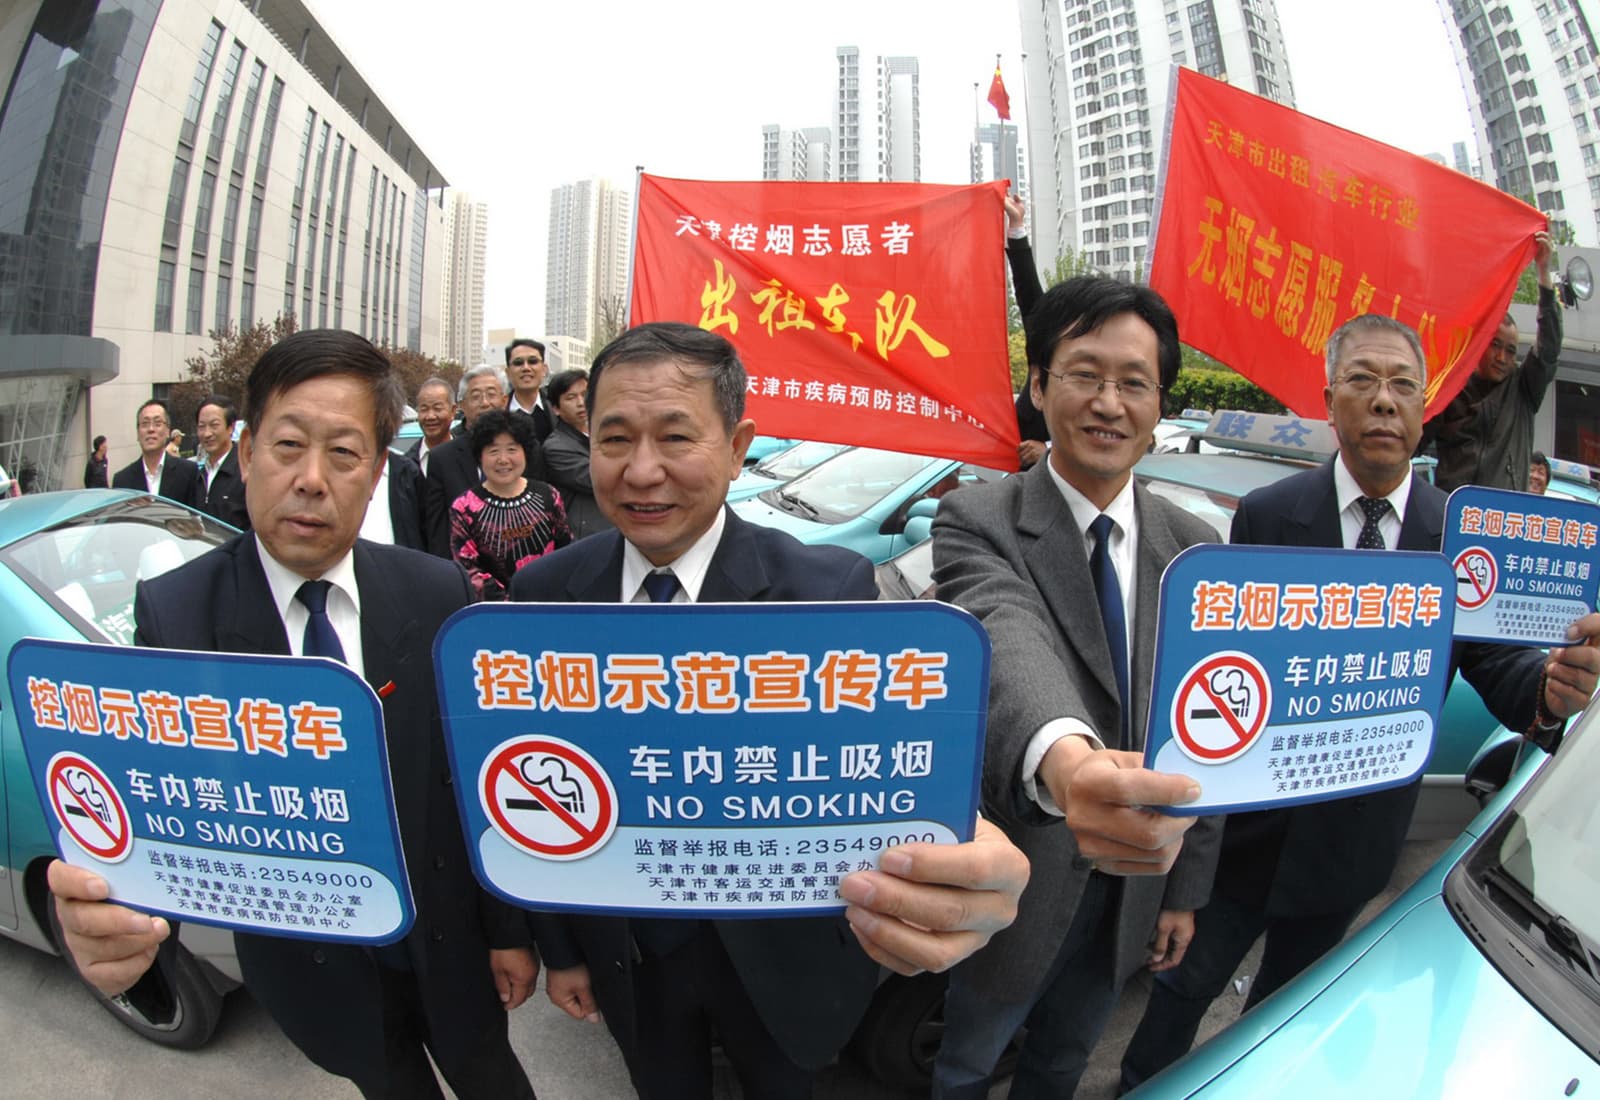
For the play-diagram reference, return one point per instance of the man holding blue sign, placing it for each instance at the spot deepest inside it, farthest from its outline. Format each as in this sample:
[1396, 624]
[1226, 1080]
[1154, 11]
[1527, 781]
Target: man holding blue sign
[1068, 695]
[322, 406]
[1302, 875]
[666, 408]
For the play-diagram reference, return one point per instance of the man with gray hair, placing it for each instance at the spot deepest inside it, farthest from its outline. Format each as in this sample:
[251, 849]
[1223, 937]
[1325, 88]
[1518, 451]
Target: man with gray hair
[452, 468]
[1484, 435]
[1301, 875]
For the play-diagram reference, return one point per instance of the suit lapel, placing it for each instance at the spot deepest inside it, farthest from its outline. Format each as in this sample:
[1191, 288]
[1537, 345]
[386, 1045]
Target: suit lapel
[1156, 548]
[1423, 526]
[1314, 520]
[1059, 565]
[253, 624]
[736, 572]
[598, 578]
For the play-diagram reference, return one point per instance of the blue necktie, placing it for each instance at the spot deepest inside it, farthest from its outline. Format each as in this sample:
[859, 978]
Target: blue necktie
[661, 587]
[320, 639]
[1112, 616]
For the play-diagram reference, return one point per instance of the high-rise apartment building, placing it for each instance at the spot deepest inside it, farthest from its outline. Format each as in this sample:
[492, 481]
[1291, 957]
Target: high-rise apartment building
[586, 281]
[995, 156]
[847, 137]
[899, 121]
[170, 169]
[1097, 78]
[466, 246]
[1533, 78]
[803, 154]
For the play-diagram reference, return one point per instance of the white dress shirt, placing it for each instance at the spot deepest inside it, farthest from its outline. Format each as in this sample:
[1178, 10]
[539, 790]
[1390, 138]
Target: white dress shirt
[690, 567]
[344, 605]
[152, 481]
[1352, 518]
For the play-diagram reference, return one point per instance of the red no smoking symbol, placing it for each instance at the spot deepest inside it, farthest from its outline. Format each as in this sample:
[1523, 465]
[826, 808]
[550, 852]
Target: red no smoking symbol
[1221, 707]
[89, 808]
[1476, 577]
[548, 798]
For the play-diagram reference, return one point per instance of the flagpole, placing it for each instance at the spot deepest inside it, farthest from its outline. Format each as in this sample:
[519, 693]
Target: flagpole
[1032, 206]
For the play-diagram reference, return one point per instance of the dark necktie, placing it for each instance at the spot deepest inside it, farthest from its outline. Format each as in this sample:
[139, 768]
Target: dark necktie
[661, 587]
[1109, 594]
[661, 936]
[1374, 508]
[320, 639]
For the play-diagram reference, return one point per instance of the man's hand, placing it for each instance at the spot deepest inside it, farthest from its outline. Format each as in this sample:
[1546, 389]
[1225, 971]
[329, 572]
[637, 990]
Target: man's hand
[1174, 931]
[928, 906]
[1544, 253]
[1571, 672]
[516, 974]
[1104, 792]
[569, 991]
[111, 945]
[1016, 213]
[1030, 451]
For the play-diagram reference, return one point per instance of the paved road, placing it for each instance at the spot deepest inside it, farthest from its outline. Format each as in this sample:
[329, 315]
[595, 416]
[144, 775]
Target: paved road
[56, 1042]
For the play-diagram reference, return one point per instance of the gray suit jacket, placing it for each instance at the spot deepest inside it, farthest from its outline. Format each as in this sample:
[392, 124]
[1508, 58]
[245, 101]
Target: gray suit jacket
[1010, 553]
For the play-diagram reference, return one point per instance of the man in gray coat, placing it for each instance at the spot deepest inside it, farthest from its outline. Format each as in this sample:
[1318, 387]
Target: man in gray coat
[1063, 566]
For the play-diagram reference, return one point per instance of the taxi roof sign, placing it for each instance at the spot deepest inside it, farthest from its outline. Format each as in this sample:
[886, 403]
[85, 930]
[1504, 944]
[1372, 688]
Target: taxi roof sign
[1271, 434]
[1568, 470]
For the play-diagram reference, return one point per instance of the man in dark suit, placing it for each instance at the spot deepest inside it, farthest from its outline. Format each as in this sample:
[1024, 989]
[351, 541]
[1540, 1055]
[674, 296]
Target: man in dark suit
[784, 994]
[452, 468]
[436, 416]
[526, 368]
[1301, 875]
[1114, 884]
[323, 405]
[221, 487]
[156, 471]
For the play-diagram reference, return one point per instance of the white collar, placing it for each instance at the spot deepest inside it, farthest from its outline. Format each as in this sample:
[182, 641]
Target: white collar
[690, 567]
[285, 582]
[1085, 510]
[1347, 491]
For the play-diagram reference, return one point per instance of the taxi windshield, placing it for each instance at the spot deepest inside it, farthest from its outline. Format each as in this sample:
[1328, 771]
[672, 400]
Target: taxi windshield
[848, 484]
[1550, 844]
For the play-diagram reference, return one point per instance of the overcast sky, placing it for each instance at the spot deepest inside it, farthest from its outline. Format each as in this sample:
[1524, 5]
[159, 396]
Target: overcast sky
[511, 100]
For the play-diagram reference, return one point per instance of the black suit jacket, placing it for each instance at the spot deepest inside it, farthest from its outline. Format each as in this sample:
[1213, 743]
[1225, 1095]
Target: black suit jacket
[543, 424]
[1329, 857]
[407, 492]
[566, 457]
[807, 976]
[180, 480]
[452, 470]
[326, 996]
[224, 496]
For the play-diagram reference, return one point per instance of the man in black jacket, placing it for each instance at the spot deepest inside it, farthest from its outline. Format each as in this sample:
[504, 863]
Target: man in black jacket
[155, 470]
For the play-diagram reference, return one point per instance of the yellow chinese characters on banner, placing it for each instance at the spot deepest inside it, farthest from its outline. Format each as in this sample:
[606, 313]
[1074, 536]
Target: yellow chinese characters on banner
[869, 314]
[1276, 228]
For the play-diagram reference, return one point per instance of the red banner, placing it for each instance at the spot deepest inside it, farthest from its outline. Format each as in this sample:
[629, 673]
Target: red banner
[865, 313]
[1276, 228]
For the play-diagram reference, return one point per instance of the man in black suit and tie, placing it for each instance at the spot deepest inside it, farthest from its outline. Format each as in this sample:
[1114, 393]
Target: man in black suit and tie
[784, 994]
[221, 487]
[1301, 875]
[526, 368]
[156, 471]
[1063, 566]
[322, 406]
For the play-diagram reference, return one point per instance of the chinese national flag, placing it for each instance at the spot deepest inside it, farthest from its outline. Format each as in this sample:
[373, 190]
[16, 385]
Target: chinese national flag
[865, 313]
[1275, 228]
[997, 95]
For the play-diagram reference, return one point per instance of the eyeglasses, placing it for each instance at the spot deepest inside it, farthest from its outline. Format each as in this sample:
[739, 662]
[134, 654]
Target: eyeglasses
[1366, 384]
[1088, 384]
[153, 423]
[527, 362]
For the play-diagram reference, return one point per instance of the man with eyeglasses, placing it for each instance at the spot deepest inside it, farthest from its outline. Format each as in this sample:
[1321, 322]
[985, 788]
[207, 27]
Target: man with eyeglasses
[526, 367]
[156, 471]
[1062, 565]
[1485, 434]
[1301, 875]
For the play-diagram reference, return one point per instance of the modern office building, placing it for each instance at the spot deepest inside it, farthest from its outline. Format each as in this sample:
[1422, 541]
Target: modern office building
[899, 121]
[1097, 75]
[1532, 76]
[804, 154]
[586, 279]
[172, 168]
[847, 121]
[466, 246]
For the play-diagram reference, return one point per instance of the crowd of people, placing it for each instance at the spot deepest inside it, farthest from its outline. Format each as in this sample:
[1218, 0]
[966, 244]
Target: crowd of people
[1074, 880]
